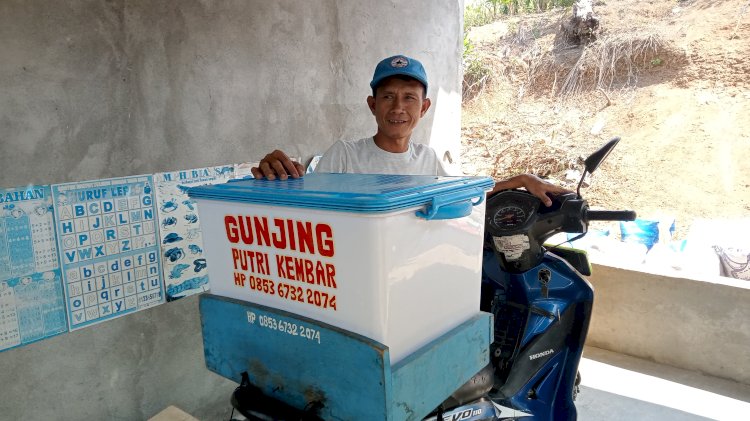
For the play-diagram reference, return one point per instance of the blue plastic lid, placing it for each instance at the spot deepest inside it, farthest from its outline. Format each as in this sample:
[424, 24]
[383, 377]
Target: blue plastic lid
[367, 193]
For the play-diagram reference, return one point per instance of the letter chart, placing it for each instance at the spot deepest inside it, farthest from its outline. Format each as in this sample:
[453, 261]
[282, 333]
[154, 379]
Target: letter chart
[109, 251]
[31, 296]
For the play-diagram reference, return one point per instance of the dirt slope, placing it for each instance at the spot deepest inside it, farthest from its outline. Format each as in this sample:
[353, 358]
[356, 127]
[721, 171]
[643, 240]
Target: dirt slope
[683, 114]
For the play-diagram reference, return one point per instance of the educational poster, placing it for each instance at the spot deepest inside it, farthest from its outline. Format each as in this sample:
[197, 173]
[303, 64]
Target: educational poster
[107, 237]
[184, 265]
[31, 297]
[243, 170]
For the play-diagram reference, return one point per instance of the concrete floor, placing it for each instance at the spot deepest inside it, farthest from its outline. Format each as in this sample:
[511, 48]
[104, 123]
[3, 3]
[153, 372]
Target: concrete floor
[617, 387]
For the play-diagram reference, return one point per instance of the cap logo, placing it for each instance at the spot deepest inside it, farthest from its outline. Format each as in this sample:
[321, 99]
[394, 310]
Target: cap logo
[399, 62]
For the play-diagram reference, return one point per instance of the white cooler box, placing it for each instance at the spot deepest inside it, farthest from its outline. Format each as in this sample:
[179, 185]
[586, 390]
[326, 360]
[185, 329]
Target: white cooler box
[393, 258]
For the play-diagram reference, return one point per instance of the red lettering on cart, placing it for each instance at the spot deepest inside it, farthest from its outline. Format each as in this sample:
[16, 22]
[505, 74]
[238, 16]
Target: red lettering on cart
[307, 295]
[231, 225]
[306, 270]
[261, 229]
[239, 279]
[324, 237]
[290, 228]
[305, 236]
[252, 261]
[279, 237]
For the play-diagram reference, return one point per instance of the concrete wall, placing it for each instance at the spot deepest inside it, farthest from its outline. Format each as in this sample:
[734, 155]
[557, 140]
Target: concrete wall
[128, 368]
[93, 89]
[99, 88]
[696, 324]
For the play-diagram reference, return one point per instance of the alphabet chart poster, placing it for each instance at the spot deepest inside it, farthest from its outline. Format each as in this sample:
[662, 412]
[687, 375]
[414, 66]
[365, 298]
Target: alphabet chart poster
[181, 241]
[31, 296]
[107, 237]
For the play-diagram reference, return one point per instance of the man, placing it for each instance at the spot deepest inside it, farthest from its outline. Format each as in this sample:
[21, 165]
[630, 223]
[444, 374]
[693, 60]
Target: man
[399, 100]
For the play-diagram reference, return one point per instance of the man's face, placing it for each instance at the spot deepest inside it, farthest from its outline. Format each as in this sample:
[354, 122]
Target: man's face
[398, 106]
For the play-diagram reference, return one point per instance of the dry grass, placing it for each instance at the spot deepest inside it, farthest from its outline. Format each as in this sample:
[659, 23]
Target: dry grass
[651, 77]
[535, 60]
[537, 57]
[611, 62]
[501, 150]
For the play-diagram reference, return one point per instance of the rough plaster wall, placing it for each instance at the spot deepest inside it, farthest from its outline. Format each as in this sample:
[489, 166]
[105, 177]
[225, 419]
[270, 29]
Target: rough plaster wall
[128, 368]
[92, 89]
[122, 88]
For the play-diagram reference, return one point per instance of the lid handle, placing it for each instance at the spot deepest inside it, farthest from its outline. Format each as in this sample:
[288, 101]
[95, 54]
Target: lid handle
[452, 205]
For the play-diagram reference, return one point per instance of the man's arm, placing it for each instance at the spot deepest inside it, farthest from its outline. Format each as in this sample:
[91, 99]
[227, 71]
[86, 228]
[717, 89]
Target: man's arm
[278, 164]
[533, 185]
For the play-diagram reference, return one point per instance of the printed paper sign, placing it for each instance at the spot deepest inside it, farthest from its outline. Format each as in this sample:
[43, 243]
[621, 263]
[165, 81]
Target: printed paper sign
[31, 297]
[107, 237]
[243, 170]
[181, 241]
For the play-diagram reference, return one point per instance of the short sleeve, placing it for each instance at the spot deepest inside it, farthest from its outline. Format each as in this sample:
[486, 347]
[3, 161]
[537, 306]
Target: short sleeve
[333, 160]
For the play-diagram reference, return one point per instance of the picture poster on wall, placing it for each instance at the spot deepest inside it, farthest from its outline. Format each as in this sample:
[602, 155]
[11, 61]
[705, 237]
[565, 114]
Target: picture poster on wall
[183, 261]
[109, 250]
[31, 293]
[243, 170]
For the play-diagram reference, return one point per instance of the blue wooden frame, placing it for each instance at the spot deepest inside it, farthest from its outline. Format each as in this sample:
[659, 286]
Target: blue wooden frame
[299, 360]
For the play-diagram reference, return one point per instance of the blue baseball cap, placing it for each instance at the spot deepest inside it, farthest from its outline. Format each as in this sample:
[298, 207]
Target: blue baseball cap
[399, 65]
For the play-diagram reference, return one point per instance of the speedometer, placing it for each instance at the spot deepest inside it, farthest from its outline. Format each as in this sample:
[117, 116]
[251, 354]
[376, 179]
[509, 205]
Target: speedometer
[509, 217]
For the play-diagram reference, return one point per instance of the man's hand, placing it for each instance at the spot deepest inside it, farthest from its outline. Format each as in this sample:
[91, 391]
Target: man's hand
[542, 189]
[278, 164]
[534, 185]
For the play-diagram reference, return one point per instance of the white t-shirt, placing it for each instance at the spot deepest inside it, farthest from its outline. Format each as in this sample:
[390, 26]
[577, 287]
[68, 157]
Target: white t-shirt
[363, 156]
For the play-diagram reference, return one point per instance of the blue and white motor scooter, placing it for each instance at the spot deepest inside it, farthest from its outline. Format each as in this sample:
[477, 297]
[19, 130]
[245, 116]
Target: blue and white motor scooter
[541, 304]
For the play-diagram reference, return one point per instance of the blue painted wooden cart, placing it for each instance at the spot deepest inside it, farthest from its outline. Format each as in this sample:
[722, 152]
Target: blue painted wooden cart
[298, 360]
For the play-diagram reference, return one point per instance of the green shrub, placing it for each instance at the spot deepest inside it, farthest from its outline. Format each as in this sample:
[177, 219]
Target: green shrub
[477, 74]
[475, 15]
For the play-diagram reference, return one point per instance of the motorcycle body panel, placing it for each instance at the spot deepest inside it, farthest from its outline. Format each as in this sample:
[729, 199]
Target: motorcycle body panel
[549, 308]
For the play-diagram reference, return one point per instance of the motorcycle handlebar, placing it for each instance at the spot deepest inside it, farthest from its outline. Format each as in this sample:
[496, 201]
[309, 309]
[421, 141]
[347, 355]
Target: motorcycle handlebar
[606, 215]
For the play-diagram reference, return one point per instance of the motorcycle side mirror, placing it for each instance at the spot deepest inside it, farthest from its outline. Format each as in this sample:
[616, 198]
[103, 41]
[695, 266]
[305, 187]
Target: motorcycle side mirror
[595, 159]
